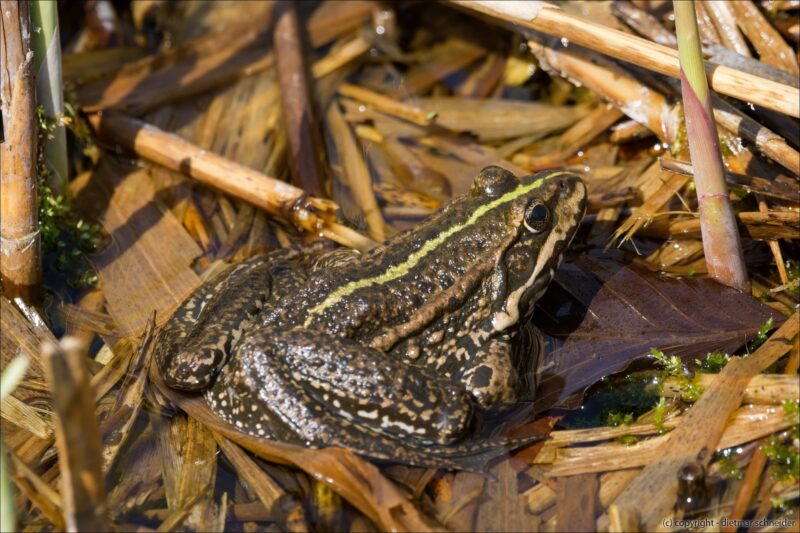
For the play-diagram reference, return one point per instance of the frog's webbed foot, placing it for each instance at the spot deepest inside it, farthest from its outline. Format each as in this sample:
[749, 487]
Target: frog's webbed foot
[492, 377]
[195, 343]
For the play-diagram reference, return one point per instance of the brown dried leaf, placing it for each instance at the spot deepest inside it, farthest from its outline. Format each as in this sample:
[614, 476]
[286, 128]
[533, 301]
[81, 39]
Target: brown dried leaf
[139, 274]
[612, 314]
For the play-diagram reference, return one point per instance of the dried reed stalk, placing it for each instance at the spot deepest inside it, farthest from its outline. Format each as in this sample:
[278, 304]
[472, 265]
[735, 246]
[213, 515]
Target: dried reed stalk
[273, 497]
[769, 43]
[277, 198]
[20, 241]
[77, 437]
[641, 52]
[652, 493]
[725, 22]
[355, 172]
[752, 475]
[386, 104]
[766, 389]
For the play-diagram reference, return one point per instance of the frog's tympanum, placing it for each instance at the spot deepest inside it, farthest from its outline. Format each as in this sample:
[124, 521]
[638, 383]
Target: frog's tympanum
[390, 352]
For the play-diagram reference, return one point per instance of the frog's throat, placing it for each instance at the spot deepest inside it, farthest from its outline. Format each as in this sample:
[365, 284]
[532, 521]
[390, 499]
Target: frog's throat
[400, 269]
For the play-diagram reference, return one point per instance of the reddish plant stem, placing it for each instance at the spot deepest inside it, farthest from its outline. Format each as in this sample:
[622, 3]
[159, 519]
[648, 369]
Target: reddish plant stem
[721, 244]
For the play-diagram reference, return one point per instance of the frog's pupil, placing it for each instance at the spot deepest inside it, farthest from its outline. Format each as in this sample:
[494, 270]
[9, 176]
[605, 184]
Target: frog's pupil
[537, 218]
[538, 214]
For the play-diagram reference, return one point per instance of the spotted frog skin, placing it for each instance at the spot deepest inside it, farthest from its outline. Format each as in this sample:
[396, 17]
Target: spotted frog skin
[393, 352]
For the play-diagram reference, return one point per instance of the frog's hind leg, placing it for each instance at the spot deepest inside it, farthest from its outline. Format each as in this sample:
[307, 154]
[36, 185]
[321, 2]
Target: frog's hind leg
[344, 377]
[194, 344]
[310, 388]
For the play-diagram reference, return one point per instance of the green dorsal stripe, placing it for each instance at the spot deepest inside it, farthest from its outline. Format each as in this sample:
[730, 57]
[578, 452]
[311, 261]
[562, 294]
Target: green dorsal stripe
[401, 269]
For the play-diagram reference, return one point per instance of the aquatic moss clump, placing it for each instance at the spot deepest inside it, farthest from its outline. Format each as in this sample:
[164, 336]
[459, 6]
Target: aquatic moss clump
[784, 449]
[66, 238]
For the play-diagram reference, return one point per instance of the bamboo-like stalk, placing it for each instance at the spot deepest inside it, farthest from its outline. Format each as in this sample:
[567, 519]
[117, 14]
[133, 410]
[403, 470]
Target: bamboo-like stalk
[20, 241]
[275, 197]
[641, 52]
[721, 242]
[46, 43]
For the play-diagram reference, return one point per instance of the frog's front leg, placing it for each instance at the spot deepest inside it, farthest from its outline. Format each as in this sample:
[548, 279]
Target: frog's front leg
[194, 344]
[491, 375]
[320, 385]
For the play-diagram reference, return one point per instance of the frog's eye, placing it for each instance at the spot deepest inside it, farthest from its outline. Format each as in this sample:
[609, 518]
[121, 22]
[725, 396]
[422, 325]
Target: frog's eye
[537, 217]
[492, 182]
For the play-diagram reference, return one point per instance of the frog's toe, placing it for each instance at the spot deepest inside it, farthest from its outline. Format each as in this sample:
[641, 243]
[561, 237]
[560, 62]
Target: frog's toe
[492, 379]
[191, 370]
[452, 421]
[491, 387]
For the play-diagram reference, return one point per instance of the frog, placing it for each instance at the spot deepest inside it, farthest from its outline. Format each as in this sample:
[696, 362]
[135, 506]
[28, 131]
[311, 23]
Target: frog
[397, 353]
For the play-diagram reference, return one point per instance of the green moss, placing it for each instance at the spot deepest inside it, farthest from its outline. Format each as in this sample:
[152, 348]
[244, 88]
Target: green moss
[627, 440]
[672, 367]
[791, 410]
[616, 419]
[671, 364]
[785, 456]
[66, 238]
[729, 469]
[713, 362]
[680, 143]
[793, 273]
[762, 335]
[658, 415]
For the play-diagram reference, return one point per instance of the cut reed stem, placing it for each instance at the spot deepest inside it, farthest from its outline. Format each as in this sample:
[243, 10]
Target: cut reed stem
[274, 196]
[20, 241]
